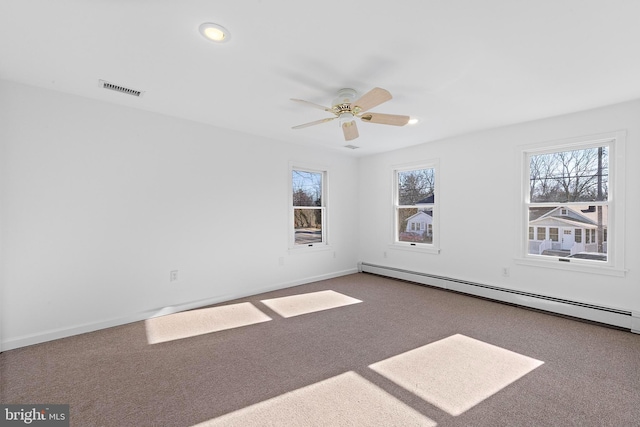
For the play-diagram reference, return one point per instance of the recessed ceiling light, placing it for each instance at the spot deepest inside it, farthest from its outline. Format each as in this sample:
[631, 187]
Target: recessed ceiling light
[214, 32]
[413, 121]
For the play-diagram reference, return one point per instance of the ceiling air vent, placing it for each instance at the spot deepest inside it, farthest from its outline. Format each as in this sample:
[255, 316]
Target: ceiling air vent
[121, 89]
[351, 147]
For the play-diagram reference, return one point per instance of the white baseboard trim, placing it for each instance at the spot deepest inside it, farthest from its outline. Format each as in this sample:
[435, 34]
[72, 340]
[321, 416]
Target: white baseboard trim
[54, 334]
[635, 322]
[607, 315]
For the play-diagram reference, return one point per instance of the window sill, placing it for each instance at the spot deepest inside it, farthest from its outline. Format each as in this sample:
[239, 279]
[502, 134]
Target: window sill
[418, 247]
[305, 249]
[581, 267]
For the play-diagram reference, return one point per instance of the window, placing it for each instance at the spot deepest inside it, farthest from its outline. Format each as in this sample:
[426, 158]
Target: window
[542, 233]
[568, 188]
[308, 207]
[415, 208]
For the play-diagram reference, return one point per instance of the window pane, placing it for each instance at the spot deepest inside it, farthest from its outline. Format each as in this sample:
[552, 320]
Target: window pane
[416, 187]
[560, 231]
[307, 224]
[415, 225]
[307, 188]
[570, 176]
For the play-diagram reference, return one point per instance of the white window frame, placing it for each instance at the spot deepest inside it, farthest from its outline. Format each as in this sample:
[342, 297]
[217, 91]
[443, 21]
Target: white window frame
[614, 266]
[324, 245]
[434, 246]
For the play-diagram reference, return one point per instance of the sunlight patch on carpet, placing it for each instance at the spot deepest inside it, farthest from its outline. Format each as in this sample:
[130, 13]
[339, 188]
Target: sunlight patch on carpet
[343, 400]
[456, 373]
[202, 321]
[296, 305]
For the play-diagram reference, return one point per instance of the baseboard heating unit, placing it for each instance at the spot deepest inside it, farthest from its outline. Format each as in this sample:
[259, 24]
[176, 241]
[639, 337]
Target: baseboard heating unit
[607, 315]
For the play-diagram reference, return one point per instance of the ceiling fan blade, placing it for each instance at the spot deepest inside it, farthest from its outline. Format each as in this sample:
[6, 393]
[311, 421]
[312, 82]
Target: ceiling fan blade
[385, 119]
[311, 104]
[350, 130]
[317, 122]
[374, 97]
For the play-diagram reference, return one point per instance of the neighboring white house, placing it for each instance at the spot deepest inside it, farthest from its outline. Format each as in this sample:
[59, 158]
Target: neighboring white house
[420, 223]
[564, 229]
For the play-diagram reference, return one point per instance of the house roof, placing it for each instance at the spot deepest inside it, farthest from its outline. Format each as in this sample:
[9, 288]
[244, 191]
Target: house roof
[419, 214]
[537, 212]
[556, 221]
[430, 200]
[577, 217]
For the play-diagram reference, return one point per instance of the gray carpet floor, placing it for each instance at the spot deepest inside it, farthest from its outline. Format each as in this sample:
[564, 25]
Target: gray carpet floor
[404, 355]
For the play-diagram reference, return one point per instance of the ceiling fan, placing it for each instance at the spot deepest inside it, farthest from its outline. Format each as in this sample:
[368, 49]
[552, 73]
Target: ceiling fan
[346, 108]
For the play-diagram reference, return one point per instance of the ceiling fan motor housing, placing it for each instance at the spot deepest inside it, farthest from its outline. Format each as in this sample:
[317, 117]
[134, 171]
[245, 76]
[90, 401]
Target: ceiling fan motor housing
[344, 99]
[342, 106]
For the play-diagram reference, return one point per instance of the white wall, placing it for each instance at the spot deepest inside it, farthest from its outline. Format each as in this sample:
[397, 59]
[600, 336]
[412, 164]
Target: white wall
[101, 202]
[479, 183]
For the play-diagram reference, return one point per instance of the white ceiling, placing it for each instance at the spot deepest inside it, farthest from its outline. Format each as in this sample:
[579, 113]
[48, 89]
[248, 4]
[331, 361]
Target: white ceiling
[457, 65]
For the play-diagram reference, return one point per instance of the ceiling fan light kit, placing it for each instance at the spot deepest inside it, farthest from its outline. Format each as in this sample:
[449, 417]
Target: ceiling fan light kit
[346, 118]
[346, 108]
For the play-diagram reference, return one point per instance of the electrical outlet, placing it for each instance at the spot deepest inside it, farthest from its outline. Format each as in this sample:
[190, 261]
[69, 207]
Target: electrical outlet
[173, 276]
[505, 271]
[281, 260]
[384, 254]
